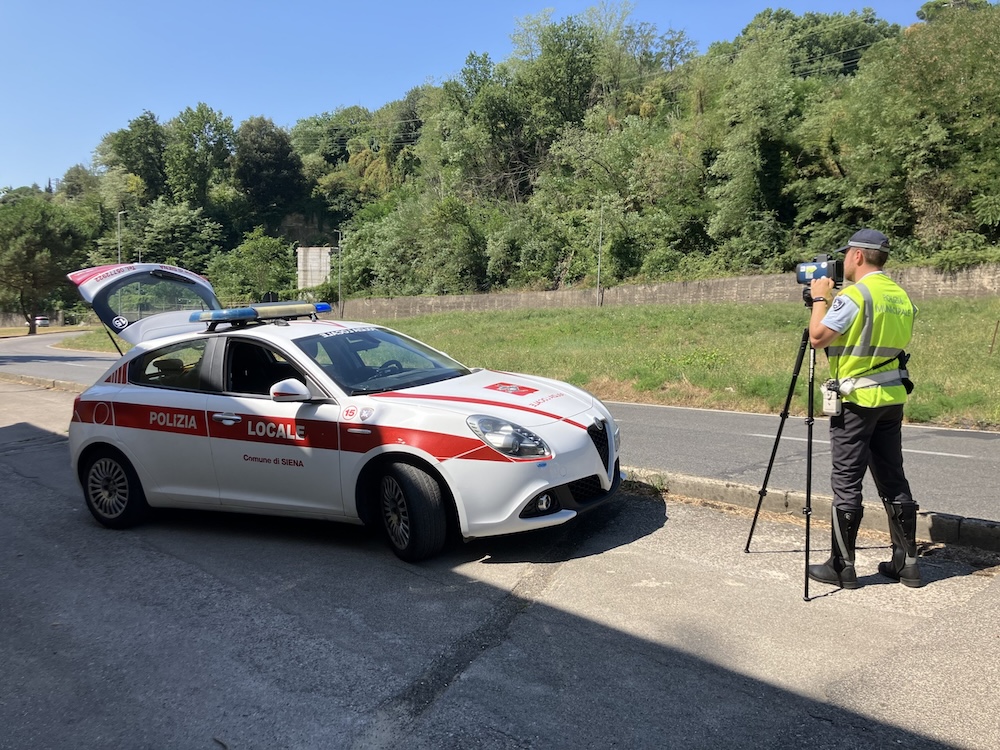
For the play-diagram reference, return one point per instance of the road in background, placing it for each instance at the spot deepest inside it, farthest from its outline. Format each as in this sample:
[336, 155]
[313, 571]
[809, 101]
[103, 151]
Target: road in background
[37, 357]
[950, 471]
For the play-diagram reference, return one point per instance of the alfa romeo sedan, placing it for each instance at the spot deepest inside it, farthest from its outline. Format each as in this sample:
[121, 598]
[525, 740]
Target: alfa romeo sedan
[272, 409]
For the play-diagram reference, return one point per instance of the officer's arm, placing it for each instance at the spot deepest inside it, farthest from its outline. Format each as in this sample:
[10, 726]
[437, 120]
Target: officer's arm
[820, 336]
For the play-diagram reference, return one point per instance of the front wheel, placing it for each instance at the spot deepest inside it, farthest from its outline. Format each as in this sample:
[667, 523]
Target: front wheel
[112, 490]
[412, 511]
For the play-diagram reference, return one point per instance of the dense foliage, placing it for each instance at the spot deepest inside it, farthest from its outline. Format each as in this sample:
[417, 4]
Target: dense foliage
[602, 149]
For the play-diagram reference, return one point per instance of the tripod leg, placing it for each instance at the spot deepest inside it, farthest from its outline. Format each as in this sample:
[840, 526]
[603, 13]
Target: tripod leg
[810, 421]
[781, 426]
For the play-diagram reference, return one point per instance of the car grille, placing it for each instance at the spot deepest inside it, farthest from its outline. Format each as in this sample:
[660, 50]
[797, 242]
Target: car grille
[599, 434]
[586, 489]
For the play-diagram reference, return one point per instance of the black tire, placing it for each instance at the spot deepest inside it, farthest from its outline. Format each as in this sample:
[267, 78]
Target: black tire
[412, 512]
[112, 490]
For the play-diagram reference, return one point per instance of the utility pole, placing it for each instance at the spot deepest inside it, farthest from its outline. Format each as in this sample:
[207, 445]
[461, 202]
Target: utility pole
[340, 284]
[120, 235]
[600, 247]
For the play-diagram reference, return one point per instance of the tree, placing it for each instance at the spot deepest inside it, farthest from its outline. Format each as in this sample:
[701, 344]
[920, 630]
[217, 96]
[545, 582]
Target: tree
[562, 79]
[198, 150]
[935, 8]
[38, 246]
[267, 169]
[751, 210]
[258, 266]
[178, 234]
[915, 134]
[819, 43]
[139, 150]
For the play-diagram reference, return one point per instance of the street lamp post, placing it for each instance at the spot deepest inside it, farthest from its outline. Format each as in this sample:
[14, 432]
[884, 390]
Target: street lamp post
[120, 235]
[340, 295]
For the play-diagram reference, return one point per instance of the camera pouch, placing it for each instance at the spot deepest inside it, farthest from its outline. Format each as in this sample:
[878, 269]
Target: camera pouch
[832, 404]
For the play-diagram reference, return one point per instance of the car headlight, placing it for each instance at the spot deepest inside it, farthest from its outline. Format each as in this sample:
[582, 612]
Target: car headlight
[507, 437]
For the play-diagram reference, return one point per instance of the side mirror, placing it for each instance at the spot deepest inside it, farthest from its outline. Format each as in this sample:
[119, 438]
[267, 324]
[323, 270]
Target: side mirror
[291, 389]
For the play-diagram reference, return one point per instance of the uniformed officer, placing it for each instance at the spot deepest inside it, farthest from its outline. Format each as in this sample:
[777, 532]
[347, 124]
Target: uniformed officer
[865, 330]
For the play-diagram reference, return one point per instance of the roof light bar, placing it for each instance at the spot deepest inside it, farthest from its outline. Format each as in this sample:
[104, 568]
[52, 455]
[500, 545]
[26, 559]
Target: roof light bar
[224, 316]
[263, 311]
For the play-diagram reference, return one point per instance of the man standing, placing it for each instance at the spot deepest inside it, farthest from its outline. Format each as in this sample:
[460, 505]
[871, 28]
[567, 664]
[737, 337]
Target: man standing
[865, 330]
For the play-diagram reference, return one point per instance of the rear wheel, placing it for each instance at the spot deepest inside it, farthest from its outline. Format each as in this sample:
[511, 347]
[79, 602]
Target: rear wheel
[412, 512]
[112, 490]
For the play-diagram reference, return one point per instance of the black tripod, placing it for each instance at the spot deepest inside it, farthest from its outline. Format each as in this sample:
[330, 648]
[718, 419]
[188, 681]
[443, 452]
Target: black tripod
[807, 510]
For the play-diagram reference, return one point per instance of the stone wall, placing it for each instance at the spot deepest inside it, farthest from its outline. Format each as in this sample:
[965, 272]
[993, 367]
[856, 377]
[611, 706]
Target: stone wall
[920, 283]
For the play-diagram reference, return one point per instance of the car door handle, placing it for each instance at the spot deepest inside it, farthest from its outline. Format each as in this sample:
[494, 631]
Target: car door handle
[227, 419]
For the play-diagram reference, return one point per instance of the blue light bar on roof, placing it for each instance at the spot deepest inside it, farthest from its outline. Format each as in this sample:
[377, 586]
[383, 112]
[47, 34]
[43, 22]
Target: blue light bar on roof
[263, 311]
[224, 316]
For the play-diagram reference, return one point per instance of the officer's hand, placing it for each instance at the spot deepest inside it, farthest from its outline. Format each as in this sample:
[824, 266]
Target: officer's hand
[822, 287]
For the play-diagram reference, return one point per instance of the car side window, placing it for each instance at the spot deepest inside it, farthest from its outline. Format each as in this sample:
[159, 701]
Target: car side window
[175, 366]
[252, 369]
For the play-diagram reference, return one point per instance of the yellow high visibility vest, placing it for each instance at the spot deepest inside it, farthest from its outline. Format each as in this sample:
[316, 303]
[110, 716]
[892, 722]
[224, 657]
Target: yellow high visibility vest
[881, 330]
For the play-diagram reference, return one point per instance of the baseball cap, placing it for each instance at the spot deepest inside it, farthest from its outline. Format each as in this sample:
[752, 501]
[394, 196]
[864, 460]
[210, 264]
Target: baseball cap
[870, 239]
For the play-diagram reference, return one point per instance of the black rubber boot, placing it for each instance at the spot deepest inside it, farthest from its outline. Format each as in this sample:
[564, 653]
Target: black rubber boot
[903, 531]
[839, 569]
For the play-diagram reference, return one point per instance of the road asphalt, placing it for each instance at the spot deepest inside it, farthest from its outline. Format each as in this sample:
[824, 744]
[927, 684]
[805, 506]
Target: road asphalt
[645, 625]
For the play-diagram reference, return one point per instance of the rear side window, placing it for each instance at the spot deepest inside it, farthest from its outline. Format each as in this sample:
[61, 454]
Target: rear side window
[176, 366]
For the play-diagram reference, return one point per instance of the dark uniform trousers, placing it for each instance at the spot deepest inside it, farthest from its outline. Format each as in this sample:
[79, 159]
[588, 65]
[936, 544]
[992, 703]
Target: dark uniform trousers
[867, 438]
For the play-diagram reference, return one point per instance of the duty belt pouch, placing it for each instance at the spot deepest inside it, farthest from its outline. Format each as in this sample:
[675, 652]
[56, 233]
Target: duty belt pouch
[832, 404]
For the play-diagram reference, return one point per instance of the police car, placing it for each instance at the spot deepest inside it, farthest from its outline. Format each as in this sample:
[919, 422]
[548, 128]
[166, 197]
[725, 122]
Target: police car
[278, 409]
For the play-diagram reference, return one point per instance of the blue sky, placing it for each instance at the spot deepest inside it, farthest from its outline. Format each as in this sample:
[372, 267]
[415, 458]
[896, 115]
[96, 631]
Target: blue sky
[75, 71]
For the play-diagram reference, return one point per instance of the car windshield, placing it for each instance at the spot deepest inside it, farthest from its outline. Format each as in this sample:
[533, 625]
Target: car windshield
[374, 360]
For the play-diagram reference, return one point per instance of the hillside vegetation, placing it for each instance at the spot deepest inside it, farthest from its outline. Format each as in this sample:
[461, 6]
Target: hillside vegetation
[601, 145]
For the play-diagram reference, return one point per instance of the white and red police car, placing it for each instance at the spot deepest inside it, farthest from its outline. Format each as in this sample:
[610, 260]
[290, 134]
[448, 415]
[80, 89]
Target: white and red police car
[270, 409]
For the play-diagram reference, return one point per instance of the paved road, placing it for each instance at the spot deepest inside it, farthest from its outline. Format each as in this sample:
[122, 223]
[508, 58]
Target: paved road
[644, 625]
[951, 471]
[35, 356]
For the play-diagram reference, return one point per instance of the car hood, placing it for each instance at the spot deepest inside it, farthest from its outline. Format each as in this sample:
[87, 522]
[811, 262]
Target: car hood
[528, 400]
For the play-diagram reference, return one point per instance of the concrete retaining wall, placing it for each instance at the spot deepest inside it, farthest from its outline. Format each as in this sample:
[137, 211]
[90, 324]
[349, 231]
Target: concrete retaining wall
[920, 283]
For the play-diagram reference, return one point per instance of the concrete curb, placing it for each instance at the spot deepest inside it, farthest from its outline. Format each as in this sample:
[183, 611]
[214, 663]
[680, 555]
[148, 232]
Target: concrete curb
[55, 385]
[931, 526]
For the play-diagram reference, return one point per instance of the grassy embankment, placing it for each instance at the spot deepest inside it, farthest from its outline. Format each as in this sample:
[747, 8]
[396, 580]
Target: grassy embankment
[719, 356]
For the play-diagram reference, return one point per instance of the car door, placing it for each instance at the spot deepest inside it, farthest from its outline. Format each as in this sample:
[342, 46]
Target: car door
[159, 415]
[268, 455]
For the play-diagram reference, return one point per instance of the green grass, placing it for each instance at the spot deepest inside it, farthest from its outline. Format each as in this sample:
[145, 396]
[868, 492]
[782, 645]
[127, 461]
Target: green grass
[716, 356]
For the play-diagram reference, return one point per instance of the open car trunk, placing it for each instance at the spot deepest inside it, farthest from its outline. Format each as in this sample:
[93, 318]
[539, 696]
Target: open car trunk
[142, 301]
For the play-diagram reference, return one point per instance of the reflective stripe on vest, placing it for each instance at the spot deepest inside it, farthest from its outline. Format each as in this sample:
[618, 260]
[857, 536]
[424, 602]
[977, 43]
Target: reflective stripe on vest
[853, 355]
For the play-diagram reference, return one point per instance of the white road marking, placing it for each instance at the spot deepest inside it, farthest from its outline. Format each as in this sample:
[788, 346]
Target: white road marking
[905, 450]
